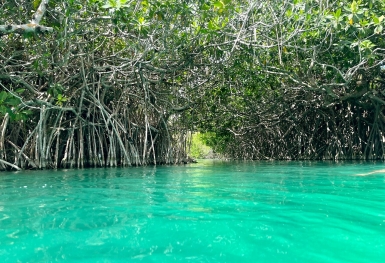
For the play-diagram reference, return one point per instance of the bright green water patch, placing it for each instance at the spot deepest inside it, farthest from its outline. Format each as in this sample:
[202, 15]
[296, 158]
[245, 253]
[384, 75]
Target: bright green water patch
[205, 212]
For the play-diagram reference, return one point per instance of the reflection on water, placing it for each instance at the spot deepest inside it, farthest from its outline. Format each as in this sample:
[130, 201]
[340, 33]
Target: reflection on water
[212, 211]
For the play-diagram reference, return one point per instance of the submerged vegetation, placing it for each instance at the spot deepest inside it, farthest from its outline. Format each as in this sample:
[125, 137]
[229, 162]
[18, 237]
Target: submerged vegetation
[120, 82]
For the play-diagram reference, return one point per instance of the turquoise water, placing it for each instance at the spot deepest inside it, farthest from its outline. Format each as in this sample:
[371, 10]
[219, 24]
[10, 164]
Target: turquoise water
[207, 212]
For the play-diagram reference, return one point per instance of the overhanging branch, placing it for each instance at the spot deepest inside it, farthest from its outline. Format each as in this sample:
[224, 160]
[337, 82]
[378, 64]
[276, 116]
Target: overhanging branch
[32, 27]
[26, 28]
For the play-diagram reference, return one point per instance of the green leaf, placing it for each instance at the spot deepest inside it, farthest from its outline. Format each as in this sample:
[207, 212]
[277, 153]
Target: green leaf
[354, 7]
[141, 20]
[106, 6]
[19, 117]
[366, 45]
[11, 114]
[376, 20]
[13, 101]
[211, 25]
[289, 13]
[60, 99]
[19, 91]
[3, 96]
[337, 14]
[36, 4]
[378, 29]
[109, 4]
[205, 7]
[219, 4]
[3, 109]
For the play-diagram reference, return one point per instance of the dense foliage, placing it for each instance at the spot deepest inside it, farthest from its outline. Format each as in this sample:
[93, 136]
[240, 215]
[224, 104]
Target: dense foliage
[122, 82]
[198, 149]
[304, 81]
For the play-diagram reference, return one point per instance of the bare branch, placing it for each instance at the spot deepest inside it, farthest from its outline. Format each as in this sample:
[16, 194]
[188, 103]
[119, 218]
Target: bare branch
[32, 27]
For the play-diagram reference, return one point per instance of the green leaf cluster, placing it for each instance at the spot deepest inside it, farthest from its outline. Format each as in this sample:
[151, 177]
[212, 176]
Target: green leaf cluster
[56, 91]
[11, 105]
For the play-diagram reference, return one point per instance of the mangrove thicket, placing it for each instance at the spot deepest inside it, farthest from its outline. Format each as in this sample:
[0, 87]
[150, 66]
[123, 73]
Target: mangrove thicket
[118, 82]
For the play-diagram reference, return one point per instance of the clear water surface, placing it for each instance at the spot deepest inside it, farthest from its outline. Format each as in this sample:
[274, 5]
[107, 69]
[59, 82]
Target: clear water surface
[212, 211]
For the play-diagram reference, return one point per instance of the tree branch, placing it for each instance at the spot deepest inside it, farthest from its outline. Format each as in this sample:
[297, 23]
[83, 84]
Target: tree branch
[12, 165]
[32, 27]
